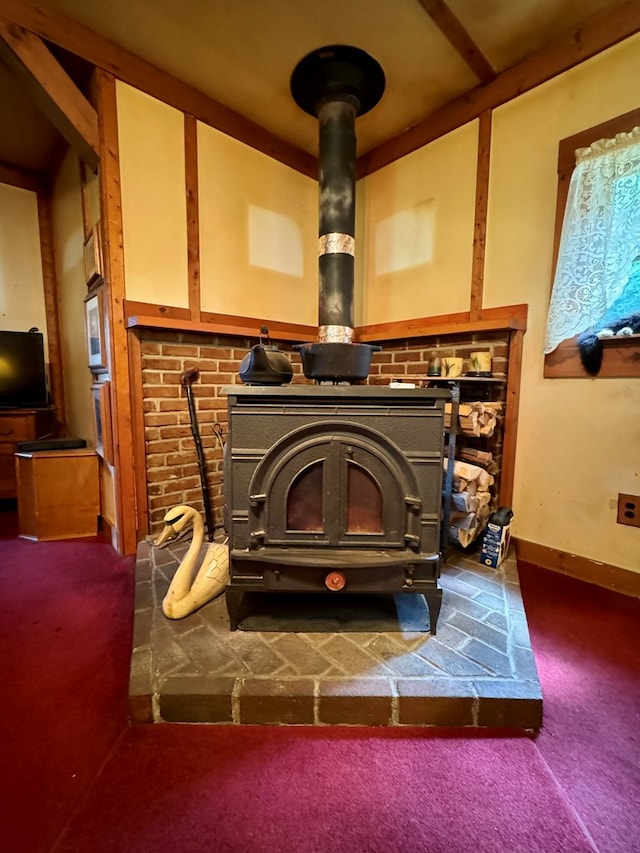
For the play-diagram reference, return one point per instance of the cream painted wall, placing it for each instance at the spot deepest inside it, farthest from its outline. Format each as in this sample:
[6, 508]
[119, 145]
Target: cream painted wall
[68, 235]
[415, 232]
[578, 440]
[152, 172]
[258, 233]
[21, 284]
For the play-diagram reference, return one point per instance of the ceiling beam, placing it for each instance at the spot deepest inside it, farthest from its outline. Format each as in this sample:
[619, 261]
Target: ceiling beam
[126, 66]
[599, 32]
[459, 38]
[51, 89]
[25, 179]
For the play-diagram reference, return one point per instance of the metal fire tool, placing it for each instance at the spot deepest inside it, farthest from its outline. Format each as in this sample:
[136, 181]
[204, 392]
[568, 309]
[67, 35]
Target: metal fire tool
[186, 380]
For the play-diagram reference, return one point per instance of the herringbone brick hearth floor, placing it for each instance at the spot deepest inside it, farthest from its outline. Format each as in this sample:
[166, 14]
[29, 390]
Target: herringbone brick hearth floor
[329, 660]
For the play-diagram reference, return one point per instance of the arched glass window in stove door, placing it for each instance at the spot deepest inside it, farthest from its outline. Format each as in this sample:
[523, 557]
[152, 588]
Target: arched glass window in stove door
[304, 501]
[364, 502]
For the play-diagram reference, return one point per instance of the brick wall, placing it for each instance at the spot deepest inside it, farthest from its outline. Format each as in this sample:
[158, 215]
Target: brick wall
[409, 360]
[173, 476]
[406, 359]
[171, 462]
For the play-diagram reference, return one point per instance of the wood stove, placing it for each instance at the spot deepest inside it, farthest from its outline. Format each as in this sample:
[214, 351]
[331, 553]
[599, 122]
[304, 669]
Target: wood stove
[334, 490]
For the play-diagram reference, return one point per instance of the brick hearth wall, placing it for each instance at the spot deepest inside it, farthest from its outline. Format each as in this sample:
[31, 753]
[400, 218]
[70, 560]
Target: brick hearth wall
[409, 361]
[173, 475]
[171, 462]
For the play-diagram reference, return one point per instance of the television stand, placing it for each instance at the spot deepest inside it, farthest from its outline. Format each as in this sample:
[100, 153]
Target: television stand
[19, 425]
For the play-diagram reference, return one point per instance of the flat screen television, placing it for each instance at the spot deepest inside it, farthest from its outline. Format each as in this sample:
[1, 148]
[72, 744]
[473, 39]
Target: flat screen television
[23, 383]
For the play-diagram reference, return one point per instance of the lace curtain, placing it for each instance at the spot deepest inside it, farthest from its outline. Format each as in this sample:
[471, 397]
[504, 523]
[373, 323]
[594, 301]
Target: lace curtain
[600, 236]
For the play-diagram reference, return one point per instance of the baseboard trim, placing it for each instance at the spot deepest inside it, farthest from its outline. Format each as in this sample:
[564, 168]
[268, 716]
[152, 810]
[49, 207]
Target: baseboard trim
[582, 568]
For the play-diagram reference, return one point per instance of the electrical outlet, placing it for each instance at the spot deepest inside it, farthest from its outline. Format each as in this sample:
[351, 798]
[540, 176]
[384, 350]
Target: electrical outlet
[629, 510]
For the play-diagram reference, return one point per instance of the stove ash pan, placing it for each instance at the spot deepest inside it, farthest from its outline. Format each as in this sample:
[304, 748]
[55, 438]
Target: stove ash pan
[334, 490]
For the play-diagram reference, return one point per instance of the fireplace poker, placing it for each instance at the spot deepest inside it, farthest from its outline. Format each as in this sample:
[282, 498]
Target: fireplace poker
[186, 380]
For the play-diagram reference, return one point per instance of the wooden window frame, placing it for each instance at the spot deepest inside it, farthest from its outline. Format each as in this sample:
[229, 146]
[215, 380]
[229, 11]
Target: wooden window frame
[621, 356]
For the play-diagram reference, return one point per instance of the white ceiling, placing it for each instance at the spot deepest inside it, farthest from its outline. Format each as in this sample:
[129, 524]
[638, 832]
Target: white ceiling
[242, 53]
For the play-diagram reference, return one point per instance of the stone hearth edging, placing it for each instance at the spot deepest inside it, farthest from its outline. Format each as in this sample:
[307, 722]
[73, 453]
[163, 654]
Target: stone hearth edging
[478, 670]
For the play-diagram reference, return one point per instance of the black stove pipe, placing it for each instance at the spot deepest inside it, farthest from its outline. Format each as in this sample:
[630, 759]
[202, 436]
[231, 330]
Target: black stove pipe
[336, 232]
[336, 84]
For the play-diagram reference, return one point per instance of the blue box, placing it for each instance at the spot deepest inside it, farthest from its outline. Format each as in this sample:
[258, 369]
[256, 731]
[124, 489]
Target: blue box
[495, 544]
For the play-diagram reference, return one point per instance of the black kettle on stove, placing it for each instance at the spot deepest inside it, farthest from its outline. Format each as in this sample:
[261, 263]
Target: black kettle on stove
[264, 364]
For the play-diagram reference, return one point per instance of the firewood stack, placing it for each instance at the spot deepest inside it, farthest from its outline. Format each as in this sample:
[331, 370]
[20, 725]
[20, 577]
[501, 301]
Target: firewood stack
[470, 501]
[477, 419]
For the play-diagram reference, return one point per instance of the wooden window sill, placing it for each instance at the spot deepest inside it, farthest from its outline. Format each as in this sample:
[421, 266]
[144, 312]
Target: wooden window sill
[620, 360]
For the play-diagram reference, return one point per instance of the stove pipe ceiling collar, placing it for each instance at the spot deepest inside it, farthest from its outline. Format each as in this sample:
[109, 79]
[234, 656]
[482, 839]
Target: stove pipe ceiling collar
[336, 84]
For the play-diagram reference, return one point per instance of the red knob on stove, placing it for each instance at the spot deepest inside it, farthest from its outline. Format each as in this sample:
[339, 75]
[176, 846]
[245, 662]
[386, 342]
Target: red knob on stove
[335, 581]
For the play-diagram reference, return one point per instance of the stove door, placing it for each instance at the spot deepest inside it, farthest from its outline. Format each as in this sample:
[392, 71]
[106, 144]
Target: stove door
[338, 492]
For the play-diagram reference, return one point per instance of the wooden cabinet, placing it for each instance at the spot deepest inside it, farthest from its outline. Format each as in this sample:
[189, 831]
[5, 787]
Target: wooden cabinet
[58, 494]
[18, 425]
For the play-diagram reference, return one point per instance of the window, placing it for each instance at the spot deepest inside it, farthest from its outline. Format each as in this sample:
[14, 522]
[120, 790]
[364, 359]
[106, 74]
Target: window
[597, 277]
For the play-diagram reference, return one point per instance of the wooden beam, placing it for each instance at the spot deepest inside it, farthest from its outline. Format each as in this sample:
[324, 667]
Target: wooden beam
[25, 179]
[132, 308]
[126, 66]
[491, 319]
[607, 129]
[52, 89]
[139, 313]
[215, 328]
[51, 307]
[135, 379]
[297, 331]
[147, 315]
[480, 222]
[599, 32]
[193, 213]
[620, 360]
[121, 403]
[510, 430]
[451, 28]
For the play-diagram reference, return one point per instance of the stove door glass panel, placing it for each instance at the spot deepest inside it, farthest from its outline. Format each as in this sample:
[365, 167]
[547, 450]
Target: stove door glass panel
[364, 502]
[304, 501]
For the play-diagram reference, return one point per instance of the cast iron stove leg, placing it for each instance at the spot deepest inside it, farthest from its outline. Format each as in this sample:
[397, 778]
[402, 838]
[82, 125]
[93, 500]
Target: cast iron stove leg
[434, 602]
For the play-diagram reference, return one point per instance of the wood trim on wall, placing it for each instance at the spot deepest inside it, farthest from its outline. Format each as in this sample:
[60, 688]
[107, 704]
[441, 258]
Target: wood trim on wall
[24, 179]
[602, 574]
[111, 223]
[110, 57]
[605, 130]
[137, 393]
[50, 286]
[141, 314]
[480, 221]
[233, 326]
[132, 308]
[193, 214]
[512, 406]
[51, 88]
[491, 319]
[621, 356]
[601, 31]
[620, 360]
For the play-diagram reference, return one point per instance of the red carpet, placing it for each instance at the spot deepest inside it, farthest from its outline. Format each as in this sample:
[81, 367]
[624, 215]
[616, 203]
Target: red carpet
[585, 641]
[78, 780]
[318, 790]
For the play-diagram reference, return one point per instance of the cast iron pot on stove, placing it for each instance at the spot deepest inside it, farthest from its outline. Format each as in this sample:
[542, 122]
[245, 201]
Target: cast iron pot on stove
[264, 364]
